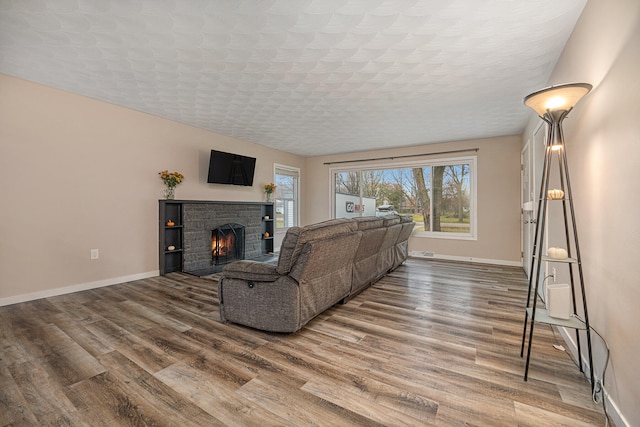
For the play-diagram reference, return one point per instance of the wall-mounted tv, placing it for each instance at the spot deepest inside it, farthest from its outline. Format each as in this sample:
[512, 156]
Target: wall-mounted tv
[228, 168]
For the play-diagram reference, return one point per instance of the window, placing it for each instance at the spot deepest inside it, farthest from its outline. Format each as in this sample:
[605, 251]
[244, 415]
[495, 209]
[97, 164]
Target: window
[286, 196]
[439, 194]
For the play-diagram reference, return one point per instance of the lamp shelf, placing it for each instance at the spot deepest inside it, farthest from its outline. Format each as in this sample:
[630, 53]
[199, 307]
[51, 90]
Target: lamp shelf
[542, 316]
[565, 260]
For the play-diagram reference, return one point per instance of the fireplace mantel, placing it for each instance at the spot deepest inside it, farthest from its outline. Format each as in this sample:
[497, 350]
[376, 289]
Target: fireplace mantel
[216, 202]
[186, 245]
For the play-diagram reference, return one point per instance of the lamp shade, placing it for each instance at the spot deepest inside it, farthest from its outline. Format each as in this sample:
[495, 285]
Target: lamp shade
[557, 98]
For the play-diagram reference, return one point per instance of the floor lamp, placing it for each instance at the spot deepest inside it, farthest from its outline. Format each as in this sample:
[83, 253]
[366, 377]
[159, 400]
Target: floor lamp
[553, 104]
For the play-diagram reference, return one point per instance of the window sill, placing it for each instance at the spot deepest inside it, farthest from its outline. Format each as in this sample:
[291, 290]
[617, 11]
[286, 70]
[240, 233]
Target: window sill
[440, 235]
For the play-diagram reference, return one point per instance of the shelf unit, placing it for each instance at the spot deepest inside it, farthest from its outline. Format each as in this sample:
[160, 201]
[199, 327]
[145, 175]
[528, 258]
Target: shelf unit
[170, 236]
[267, 228]
[171, 260]
[573, 263]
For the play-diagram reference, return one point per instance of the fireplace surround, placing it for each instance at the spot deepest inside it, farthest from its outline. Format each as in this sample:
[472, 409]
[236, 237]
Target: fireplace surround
[191, 235]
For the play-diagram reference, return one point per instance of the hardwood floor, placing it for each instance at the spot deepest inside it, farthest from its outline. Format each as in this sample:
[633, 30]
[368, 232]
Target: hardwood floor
[433, 343]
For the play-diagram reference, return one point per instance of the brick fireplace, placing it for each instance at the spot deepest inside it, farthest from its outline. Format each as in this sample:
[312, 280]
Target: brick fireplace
[201, 220]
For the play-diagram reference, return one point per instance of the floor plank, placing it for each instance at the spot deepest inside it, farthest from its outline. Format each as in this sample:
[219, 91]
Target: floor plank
[432, 343]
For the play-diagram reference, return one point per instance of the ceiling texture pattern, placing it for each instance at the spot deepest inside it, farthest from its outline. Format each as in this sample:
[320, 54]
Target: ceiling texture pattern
[310, 77]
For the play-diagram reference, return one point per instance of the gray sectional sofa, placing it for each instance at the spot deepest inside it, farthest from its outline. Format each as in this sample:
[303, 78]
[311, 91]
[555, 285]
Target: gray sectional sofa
[318, 266]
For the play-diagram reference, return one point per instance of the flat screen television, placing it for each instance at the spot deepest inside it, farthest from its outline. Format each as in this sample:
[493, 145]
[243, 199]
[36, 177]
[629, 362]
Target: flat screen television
[228, 168]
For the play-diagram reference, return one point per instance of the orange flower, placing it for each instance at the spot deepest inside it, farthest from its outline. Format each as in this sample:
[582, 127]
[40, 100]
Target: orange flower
[171, 179]
[269, 188]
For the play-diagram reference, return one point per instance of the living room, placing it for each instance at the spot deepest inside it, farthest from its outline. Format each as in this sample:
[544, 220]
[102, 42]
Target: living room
[83, 174]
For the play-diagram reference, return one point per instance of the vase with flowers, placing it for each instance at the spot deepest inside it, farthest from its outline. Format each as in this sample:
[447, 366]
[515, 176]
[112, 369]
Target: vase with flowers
[171, 180]
[268, 191]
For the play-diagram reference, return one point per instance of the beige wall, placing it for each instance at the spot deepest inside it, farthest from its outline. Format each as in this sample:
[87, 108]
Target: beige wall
[81, 174]
[603, 149]
[498, 171]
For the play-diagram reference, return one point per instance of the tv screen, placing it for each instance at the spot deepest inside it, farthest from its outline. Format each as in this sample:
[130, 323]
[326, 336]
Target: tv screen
[228, 168]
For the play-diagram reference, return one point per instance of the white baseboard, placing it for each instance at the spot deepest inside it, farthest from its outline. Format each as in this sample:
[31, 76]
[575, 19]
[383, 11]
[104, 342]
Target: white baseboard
[431, 255]
[76, 288]
[612, 408]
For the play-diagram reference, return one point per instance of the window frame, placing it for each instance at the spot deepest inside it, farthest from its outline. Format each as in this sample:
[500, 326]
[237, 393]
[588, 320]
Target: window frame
[295, 172]
[473, 185]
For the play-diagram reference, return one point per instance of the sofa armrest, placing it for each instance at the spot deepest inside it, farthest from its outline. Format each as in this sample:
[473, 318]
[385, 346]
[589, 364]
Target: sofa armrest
[254, 271]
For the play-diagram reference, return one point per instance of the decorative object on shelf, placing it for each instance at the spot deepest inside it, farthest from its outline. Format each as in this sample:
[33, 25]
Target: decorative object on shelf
[171, 248]
[557, 253]
[268, 190]
[170, 223]
[553, 104]
[555, 194]
[266, 217]
[266, 234]
[171, 180]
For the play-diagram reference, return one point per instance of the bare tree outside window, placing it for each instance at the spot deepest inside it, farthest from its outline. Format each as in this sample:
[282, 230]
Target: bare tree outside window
[422, 195]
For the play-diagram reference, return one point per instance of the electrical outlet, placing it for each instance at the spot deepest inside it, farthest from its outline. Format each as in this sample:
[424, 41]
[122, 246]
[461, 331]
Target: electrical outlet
[95, 254]
[553, 274]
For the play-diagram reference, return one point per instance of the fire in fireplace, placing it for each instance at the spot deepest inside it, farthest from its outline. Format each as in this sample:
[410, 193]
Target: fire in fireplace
[227, 243]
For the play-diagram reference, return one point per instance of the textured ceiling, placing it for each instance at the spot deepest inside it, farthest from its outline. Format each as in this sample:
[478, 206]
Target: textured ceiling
[309, 77]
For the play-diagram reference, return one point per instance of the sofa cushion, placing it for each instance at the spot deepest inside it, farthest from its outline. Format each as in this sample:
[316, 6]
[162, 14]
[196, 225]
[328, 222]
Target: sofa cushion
[369, 222]
[251, 270]
[405, 218]
[386, 253]
[402, 244]
[390, 220]
[297, 237]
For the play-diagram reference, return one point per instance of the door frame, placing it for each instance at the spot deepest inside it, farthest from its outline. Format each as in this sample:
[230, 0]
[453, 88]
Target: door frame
[536, 146]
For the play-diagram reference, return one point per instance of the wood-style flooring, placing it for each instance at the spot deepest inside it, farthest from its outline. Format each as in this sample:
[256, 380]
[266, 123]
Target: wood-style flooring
[433, 343]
